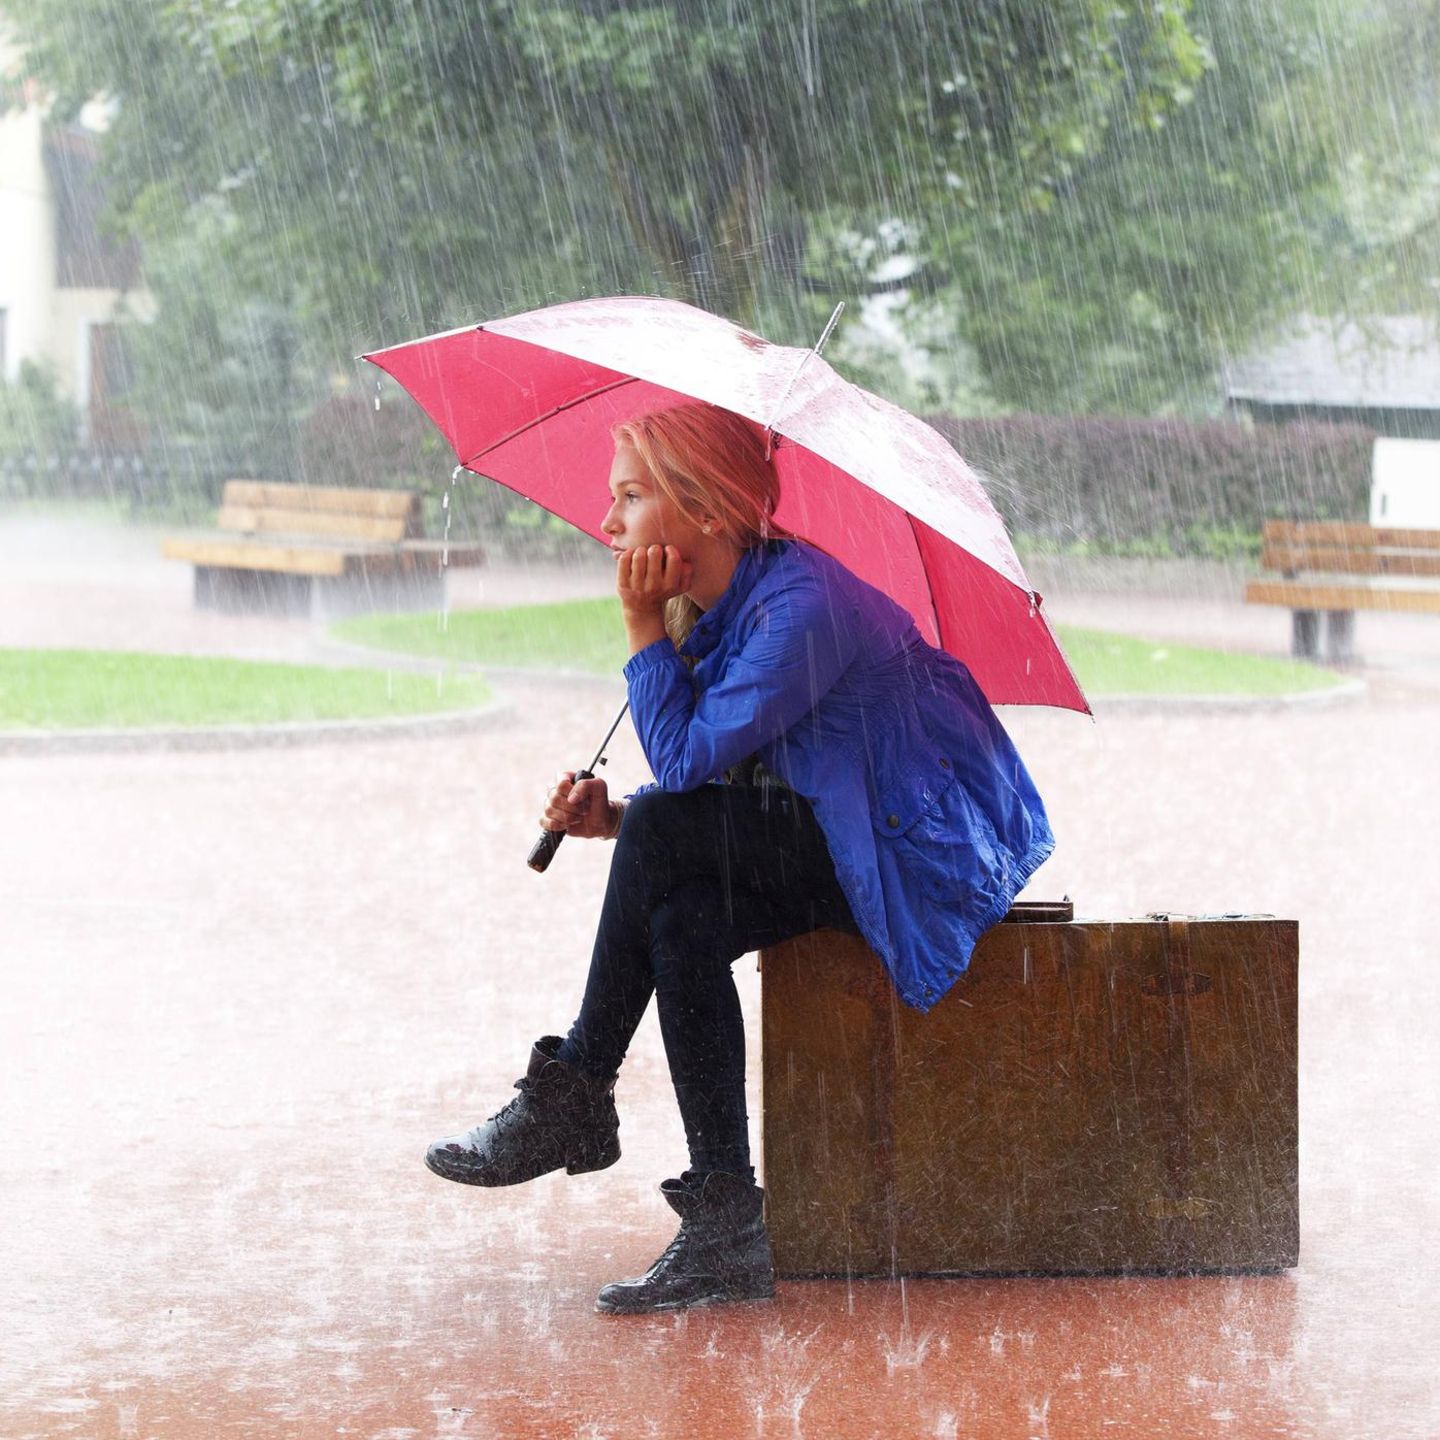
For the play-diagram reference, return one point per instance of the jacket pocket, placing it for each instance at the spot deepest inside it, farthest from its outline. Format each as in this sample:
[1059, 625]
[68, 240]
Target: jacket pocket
[946, 852]
[902, 806]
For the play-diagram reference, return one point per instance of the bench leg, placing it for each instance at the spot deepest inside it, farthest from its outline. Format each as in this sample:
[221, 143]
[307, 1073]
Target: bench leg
[1340, 636]
[365, 593]
[1305, 634]
[251, 592]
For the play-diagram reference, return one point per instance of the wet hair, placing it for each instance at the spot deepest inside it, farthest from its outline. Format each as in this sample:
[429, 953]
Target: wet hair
[708, 461]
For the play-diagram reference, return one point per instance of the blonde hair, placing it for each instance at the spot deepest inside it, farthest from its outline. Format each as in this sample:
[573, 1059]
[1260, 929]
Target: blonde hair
[708, 462]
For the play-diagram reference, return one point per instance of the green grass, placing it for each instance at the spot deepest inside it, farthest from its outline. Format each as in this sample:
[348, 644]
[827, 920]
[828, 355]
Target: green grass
[587, 635]
[1109, 664]
[94, 689]
[574, 635]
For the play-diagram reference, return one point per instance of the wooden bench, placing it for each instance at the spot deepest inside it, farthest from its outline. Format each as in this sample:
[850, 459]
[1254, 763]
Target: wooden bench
[1091, 1096]
[1334, 568]
[318, 551]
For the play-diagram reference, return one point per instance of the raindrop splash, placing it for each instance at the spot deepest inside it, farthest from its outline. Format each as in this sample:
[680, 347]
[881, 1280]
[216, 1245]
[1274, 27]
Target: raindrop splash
[907, 1350]
[445, 551]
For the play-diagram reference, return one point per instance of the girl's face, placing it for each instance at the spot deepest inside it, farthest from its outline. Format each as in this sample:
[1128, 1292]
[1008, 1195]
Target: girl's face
[642, 514]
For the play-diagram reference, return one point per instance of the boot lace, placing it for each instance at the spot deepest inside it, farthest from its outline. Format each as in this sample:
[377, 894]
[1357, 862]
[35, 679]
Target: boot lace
[507, 1116]
[672, 1252]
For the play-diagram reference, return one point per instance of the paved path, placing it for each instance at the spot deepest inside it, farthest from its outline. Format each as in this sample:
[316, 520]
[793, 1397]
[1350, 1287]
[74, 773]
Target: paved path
[87, 584]
[244, 989]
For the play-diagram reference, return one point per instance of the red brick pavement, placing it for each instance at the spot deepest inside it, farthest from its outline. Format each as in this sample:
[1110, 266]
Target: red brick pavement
[245, 988]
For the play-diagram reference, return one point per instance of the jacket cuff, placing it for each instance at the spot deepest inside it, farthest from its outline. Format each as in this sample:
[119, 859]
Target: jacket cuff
[654, 656]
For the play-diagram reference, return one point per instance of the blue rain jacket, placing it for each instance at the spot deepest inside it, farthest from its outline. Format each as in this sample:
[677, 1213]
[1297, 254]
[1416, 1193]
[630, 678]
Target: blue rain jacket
[932, 821]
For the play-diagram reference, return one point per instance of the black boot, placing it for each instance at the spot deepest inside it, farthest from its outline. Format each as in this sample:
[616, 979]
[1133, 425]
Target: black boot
[721, 1253]
[560, 1117]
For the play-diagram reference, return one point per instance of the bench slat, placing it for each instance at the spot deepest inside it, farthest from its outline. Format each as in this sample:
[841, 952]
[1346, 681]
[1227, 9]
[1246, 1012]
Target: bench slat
[246, 555]
[248, 520]
[321, 558]
[1350, 562]
[1345, 533]
[1309, 595]
[334, 537]
[275, 494]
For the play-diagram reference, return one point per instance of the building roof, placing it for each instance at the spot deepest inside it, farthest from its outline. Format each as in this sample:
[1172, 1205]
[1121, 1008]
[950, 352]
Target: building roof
[1388, 362]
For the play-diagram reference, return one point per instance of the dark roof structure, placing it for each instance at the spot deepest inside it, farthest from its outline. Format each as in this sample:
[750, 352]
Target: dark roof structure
[1389, 363]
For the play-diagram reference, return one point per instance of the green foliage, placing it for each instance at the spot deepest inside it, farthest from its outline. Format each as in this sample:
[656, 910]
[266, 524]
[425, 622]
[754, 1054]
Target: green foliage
[37, 424]
[1175, 245]
[349, 440]
[1379, 109]
[1162, 487]
[1222, 542]
[1100, 201]
[219, 376]
[1227, 543]
[407, 165]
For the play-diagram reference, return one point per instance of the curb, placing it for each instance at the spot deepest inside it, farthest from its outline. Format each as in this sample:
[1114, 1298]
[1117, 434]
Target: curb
[248, 737]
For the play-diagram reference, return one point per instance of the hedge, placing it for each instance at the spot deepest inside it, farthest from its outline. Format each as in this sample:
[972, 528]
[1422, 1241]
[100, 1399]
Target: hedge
[1161, 486]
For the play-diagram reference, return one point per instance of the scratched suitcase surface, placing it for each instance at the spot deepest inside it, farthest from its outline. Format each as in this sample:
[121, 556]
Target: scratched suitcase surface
[1092, 1096]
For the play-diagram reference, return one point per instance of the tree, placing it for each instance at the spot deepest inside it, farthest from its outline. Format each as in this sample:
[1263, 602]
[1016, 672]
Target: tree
[1173, 245]
[1096, 198]
[39, 427]
[408, 163]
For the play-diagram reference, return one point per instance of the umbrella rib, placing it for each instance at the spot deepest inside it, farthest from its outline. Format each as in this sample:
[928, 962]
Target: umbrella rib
[540, 419]
[929, 588]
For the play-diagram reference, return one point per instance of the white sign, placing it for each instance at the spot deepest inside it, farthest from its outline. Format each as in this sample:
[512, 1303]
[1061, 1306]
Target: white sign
[1405, 484]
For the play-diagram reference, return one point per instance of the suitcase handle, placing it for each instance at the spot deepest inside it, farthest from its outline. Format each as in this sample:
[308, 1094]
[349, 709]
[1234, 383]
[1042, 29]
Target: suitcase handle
[1040, 912]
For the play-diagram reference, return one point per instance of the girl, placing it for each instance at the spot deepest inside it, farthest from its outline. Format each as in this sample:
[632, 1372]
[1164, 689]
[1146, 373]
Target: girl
[816, 764]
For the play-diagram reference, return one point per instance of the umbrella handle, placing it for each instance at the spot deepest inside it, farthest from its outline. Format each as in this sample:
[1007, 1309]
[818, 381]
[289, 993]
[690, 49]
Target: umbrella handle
[543, 851]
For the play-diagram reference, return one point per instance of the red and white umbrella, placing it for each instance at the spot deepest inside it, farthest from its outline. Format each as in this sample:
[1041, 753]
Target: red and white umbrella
[530, 401]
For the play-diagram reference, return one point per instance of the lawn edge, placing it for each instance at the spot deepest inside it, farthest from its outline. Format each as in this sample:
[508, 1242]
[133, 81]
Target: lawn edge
[1350, 689]
[1345, 689]
[142, 739]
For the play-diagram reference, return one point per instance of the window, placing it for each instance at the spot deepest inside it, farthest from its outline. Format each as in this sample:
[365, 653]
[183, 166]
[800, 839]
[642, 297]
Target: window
[111, 425]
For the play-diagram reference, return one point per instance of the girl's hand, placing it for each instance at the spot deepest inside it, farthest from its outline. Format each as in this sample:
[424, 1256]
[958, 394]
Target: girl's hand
[582, 809]
[648, 576]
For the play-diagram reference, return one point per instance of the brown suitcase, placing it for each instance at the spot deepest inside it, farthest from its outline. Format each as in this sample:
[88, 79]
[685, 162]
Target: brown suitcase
[1092, 1096]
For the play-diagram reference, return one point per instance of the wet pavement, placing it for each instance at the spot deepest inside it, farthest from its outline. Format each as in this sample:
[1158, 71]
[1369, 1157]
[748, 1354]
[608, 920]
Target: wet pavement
[245, 989]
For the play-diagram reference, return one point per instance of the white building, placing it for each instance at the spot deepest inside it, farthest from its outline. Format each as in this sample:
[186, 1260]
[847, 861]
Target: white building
[61, 280]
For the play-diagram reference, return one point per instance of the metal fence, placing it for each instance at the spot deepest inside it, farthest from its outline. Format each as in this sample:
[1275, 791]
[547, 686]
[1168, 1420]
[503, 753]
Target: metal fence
[139, 480]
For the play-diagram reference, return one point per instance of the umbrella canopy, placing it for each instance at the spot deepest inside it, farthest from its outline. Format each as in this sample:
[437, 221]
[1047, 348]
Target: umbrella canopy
[530, 400]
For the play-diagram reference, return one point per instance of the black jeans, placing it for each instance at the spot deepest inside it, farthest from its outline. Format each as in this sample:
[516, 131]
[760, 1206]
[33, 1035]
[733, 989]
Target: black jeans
[697, 880]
